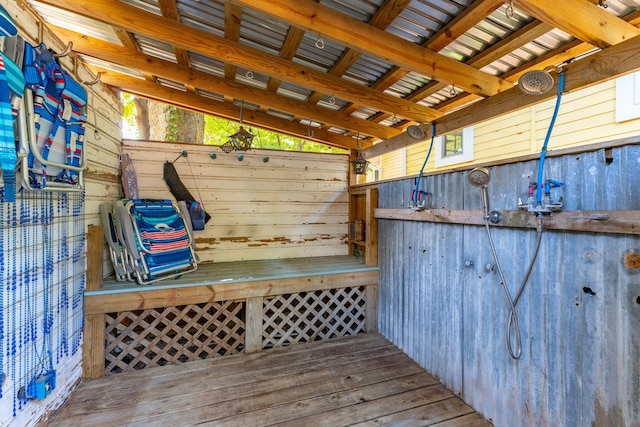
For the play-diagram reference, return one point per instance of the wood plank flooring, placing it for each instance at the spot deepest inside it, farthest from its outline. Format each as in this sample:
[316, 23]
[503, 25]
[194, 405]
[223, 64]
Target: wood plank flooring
[362, 380]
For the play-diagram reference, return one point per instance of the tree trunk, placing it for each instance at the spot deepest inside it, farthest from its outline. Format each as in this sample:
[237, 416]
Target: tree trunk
[142, 117]
[169, 123]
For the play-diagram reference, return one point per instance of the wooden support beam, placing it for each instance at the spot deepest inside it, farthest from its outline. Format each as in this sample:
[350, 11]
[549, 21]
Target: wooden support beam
[139, 299]
[128, 41]
[384, 16]
[169, 9]
[148, 64]
[232, 19]
[94, 324]
[371, 309]
[615, 222]
[609, 63]
[462, 22]
[371, 227]
[93, 346]
[95, 247]
[582, 19]
[202, 42]
[225, 110]
[253, 325]
[358, 35]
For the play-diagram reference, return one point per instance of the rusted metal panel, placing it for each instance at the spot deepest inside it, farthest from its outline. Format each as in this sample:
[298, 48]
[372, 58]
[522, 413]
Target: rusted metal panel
[441, 300]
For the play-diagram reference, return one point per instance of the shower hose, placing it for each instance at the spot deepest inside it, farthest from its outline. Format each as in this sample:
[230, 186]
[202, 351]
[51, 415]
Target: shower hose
[514, 350]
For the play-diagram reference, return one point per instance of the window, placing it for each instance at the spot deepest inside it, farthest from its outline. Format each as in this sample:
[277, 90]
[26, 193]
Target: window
[628, 97]
[453, 148]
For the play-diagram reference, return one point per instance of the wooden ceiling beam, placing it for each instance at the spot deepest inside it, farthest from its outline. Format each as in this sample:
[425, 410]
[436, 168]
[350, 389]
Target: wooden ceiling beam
[169, 9]
[205, 43]
[566, 52]
[191, 101]
[528, 33]
[115, 54]
[609, 63]
[128, 40]
[288, 51]
[582, 19]
[232, 20]
[465, 20]
[361, 36]
[384, 16]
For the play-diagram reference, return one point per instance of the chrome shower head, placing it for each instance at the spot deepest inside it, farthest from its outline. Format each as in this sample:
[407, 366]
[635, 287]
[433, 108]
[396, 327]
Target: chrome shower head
[479, 177]
[536, 82]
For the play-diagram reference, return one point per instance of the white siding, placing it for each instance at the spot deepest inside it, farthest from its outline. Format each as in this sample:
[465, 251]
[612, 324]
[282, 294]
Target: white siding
[25, 260]
[293, 205]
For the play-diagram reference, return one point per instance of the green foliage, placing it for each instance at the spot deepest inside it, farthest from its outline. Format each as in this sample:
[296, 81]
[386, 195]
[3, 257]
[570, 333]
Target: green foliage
[173, 116]
[129, 109]
[217, 131]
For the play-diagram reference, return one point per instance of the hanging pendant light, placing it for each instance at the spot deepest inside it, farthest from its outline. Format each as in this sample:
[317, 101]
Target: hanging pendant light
[241, 140]
[359, 164]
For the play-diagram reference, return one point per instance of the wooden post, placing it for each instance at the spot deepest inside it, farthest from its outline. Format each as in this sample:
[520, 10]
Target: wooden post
[371, 309]
[371, 224]
[253, 325]
[95, 246]
[94, 324]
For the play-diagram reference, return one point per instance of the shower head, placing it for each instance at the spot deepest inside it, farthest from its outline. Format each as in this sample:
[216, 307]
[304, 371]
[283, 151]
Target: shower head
[479, 177]
[536, 82]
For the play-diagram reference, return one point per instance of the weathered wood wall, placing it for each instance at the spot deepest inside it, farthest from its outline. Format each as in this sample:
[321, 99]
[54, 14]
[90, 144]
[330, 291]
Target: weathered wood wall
[66, 233]
[293, 205]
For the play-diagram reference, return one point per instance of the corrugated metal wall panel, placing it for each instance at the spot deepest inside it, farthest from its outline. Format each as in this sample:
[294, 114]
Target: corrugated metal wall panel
[580, 351]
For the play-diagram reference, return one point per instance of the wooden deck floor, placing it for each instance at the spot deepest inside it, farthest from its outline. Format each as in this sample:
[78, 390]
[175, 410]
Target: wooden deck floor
[362, 380]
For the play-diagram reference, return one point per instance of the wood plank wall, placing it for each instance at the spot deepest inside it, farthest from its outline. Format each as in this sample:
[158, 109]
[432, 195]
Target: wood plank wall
[101, 184]
[293, 205]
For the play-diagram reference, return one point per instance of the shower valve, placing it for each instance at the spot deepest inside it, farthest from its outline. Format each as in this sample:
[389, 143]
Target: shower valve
[546, 205]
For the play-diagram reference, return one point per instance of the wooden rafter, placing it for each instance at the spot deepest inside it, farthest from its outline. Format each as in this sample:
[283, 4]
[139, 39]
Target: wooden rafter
[225, 110]
[473, 14]
[169, 10]
[182, 74]
[128, 40]
[205, 43]
[566, 52]
[232, 19]
[612, 62]
[288, 51]
[383, 17]
[350, 32]
[582, 19]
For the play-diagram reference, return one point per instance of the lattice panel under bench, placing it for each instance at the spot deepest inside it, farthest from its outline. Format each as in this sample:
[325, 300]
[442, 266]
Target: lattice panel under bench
[227, 308]
[167, 335]
[313, 316]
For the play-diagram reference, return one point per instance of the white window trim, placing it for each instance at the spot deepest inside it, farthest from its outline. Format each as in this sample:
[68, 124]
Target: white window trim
[628, 97]
[465, 156]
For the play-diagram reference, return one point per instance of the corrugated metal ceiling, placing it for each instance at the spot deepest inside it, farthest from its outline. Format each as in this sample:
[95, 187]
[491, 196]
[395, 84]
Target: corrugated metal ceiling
[417, 21]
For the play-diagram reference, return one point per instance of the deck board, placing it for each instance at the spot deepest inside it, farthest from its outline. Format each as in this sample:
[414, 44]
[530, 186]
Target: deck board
[359, 379]
[209, 274]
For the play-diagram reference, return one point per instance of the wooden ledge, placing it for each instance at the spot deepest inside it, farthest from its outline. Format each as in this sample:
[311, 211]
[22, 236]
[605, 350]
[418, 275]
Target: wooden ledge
[617, 222]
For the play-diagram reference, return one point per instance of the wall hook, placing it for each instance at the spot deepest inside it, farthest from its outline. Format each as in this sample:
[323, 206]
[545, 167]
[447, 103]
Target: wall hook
[65, 53]
[183, 153]
[94, 81]
[213, 155]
